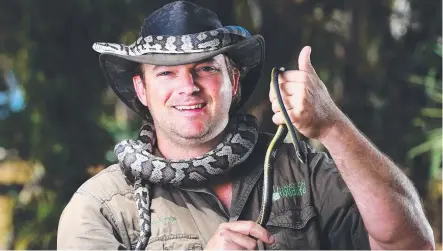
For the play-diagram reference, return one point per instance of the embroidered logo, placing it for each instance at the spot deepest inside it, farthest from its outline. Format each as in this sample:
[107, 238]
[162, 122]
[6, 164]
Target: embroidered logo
[164, 220]
[289, 190]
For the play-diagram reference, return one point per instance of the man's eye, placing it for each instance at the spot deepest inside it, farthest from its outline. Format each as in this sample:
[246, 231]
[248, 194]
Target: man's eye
[164, 73]
[207, 69]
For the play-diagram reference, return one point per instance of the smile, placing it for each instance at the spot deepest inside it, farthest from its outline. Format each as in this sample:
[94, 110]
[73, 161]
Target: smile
[189, 107]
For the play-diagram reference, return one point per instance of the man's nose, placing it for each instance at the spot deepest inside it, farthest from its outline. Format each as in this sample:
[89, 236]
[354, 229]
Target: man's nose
[187, 84]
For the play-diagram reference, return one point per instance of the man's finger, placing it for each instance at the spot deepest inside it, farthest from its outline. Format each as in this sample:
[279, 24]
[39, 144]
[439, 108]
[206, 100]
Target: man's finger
[289, 102]
[279, 119]
[238, 239]
[289, 89]
[249, 228]
[304, 60]
[286, 89]
[290, 82]
[292, 94]
[285, 97]
[293, 76]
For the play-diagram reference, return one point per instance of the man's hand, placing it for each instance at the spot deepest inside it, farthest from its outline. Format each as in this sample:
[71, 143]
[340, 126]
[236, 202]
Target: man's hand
[399, 221]
[310, 107]
[239, 235]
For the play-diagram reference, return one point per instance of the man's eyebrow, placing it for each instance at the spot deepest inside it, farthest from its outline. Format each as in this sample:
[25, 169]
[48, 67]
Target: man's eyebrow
[158, 66]
[208, 60]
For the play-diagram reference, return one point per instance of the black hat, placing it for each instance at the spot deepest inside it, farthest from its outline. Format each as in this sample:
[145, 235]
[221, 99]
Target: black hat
[181, 33]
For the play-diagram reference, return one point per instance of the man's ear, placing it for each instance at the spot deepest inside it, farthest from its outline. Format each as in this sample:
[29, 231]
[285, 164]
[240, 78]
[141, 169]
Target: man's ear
[140, 89]
[235, 80]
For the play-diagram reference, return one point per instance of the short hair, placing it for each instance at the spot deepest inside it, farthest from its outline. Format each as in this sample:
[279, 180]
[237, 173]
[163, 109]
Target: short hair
[139, 107]
[231, 67]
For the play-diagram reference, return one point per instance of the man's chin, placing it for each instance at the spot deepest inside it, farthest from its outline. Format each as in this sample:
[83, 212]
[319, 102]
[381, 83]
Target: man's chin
[192, 135]
[191, 128]
[192, 132]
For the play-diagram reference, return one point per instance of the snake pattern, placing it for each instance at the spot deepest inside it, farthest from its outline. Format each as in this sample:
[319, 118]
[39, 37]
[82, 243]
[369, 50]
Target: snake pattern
[138, 163]
[190, 43]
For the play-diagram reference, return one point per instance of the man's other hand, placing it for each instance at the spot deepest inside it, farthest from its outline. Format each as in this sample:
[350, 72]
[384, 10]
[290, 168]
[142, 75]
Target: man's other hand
[239, 235]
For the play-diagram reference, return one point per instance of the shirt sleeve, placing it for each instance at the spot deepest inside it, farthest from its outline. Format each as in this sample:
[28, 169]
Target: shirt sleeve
[340, 221]
[85, 224]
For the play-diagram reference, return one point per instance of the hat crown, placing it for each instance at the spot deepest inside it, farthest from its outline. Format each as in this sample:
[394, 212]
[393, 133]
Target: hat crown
[179, 18]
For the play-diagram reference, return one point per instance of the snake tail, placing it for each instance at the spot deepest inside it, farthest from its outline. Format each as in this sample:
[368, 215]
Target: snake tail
[265, 209]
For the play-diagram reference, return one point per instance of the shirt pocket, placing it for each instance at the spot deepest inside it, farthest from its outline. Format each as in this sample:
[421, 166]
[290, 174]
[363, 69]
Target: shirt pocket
[175, 242]
[294, 228]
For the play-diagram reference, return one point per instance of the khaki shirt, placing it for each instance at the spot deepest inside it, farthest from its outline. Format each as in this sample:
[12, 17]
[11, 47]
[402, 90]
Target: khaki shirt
[312, 208]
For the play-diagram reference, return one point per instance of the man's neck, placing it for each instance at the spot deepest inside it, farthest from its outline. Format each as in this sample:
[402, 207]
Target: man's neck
[176, 151]
[224, 193]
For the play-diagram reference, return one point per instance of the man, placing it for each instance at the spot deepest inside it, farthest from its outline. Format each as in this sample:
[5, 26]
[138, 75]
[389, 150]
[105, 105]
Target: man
[194, 177]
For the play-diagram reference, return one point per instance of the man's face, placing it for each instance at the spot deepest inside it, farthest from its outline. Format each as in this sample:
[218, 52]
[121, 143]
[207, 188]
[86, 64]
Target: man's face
[188, 101]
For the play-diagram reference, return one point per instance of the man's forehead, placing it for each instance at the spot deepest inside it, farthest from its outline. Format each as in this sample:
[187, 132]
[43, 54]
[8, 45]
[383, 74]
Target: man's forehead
[220, 58]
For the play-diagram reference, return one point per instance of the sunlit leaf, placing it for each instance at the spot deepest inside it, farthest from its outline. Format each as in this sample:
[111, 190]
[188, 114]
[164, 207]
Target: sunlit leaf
[432, 112]
[434, 142]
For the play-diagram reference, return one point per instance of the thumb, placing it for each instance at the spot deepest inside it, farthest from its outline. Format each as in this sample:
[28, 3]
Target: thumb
[304, 60]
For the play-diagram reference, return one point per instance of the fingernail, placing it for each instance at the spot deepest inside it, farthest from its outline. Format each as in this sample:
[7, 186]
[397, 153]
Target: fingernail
[272, 239]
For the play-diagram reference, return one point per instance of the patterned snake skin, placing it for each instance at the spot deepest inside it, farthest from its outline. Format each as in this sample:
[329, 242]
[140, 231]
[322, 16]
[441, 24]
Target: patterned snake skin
[137, 161]
[191, 43]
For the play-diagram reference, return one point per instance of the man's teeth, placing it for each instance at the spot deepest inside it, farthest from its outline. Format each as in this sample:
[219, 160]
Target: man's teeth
[183, 107]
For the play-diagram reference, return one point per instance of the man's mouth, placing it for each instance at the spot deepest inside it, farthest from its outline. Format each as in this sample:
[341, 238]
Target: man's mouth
[189, 107]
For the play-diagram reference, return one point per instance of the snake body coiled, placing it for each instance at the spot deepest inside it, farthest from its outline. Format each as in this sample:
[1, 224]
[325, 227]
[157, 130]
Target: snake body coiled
[142, 168]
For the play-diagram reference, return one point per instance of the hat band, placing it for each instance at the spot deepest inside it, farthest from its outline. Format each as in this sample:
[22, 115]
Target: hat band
[190, 43]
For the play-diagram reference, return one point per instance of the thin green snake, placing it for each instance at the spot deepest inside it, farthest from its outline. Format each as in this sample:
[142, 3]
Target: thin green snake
[278, 138]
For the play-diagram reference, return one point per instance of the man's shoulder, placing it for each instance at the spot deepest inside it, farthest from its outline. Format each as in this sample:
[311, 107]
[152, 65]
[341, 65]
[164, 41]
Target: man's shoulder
[106, 184]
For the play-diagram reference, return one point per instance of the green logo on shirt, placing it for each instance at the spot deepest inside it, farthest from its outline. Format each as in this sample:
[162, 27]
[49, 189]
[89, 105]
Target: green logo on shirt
[289, 190]
[164, 220]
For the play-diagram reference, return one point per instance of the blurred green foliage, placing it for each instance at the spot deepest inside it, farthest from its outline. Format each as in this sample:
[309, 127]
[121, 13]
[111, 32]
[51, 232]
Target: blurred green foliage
[433, 143]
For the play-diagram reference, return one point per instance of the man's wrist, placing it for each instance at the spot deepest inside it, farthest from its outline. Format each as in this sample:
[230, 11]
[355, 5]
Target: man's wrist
[338, 133]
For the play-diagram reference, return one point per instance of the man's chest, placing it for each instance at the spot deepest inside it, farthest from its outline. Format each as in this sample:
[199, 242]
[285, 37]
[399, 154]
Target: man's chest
[183, 221]
[188, 219]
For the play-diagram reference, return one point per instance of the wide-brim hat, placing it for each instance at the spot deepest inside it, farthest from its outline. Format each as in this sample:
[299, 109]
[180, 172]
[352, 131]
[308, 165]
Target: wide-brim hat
[181, 33]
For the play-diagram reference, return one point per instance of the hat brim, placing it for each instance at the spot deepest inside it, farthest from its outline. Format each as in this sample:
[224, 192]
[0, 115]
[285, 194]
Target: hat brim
[120, 69]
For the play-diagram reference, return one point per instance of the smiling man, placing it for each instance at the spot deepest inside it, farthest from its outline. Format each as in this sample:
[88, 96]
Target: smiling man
[188, 117]
[194, 177]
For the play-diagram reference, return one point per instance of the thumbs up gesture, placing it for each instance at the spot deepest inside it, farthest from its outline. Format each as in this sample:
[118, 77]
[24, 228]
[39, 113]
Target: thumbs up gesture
[310, 107]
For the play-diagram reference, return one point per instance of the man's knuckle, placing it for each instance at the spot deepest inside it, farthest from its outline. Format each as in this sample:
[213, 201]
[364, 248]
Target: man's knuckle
[225, 244]
[294, 116]
[301, 112]
[301, 89]
[223, 233]
[251, 226]
[275, 107]
[251, 245]
[223, 225]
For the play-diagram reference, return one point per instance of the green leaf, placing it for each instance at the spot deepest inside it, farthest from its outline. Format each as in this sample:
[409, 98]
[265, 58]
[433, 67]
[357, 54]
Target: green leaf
[437, 47]
[434, 142]
[432, 112]
[436, 161]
